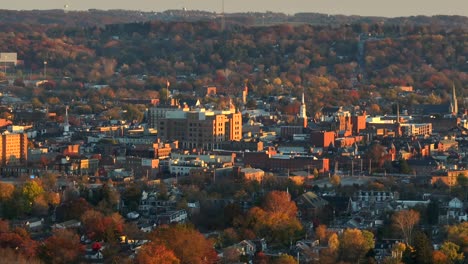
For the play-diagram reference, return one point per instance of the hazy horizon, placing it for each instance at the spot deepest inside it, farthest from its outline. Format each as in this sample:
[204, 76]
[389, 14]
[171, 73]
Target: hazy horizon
[395, 8]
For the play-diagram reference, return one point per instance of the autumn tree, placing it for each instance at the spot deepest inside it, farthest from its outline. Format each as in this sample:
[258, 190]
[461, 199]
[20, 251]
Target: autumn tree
[18, 239]
[438, 257]
[335, 180]
[376, 153]
[354, 244]
[98, 226]
[405, 221]
[72, 209]
[452, 252]
[10, 255]
[153, 252]
[276, 219]
[62, 247]
[189, 245]
[6, 191]
[458, 234]
[321, 233]
[284, 259]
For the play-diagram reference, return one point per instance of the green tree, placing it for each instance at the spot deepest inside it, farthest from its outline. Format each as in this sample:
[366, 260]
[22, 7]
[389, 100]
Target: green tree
[131, 197]
[462, 181]
[432, 212]
[404, 167]
[423, 248]
[31, 190]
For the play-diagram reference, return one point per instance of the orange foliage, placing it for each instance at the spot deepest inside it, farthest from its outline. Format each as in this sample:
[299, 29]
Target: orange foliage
[62, 247]
[189, 245]
[438, 257]
[156, 253]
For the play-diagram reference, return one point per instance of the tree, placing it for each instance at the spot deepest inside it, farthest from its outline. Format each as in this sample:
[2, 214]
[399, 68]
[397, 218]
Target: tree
[423, 248]
[189, 245]
[276, 219]
[131, 196]
[438, 257]
[354, 245]
[110, 198]
[10, 255]
[432, 212]
[462, 181]
[285, 259]
[152, 252]
[231, 255]
[18, 239]
[404, 167]
[98, 226]
[458, 234]
[321, 233]
[62, 247]
[333, 242]
[6, 191]
[335, 180]
[278, 202]
[451, 250]
[406, 220]
[31, 190]
[376, 153]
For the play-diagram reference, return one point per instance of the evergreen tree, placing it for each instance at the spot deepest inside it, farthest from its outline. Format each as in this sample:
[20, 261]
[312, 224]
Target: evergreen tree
[423, 248]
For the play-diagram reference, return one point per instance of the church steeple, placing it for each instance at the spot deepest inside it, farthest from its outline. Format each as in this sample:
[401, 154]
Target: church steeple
[66, 124]
[302, 111]
[454, 102]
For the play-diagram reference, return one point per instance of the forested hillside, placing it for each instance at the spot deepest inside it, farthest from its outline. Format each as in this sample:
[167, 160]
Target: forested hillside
[338, 63]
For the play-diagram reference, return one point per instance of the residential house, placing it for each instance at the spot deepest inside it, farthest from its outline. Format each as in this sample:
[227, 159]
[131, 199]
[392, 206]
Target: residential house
[310, 205]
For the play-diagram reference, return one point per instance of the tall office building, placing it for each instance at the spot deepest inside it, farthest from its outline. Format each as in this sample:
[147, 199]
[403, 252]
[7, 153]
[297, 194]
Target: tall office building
[13, 149]
[200, 128]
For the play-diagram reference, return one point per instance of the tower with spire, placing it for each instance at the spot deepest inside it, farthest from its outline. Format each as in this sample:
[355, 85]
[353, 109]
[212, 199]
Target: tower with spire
[454, 102]
[302, 112]
[66, 124]
[398, 132]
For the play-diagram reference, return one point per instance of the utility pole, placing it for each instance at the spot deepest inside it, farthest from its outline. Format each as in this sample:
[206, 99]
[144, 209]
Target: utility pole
[370, 166]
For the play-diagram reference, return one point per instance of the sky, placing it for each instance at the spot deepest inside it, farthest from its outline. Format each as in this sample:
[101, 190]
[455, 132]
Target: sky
[387, 8]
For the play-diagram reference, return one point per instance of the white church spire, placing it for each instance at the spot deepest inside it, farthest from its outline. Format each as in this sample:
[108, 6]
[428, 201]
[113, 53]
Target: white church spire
[303, 112]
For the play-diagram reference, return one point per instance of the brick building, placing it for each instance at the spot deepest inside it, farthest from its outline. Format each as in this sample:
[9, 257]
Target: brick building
[201, 128]
[13, 149]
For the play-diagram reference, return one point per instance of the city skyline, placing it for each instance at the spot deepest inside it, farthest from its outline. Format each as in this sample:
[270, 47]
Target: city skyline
[394, 8]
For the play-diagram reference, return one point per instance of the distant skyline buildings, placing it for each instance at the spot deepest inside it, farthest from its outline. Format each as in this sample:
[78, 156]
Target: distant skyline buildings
[395, 8]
